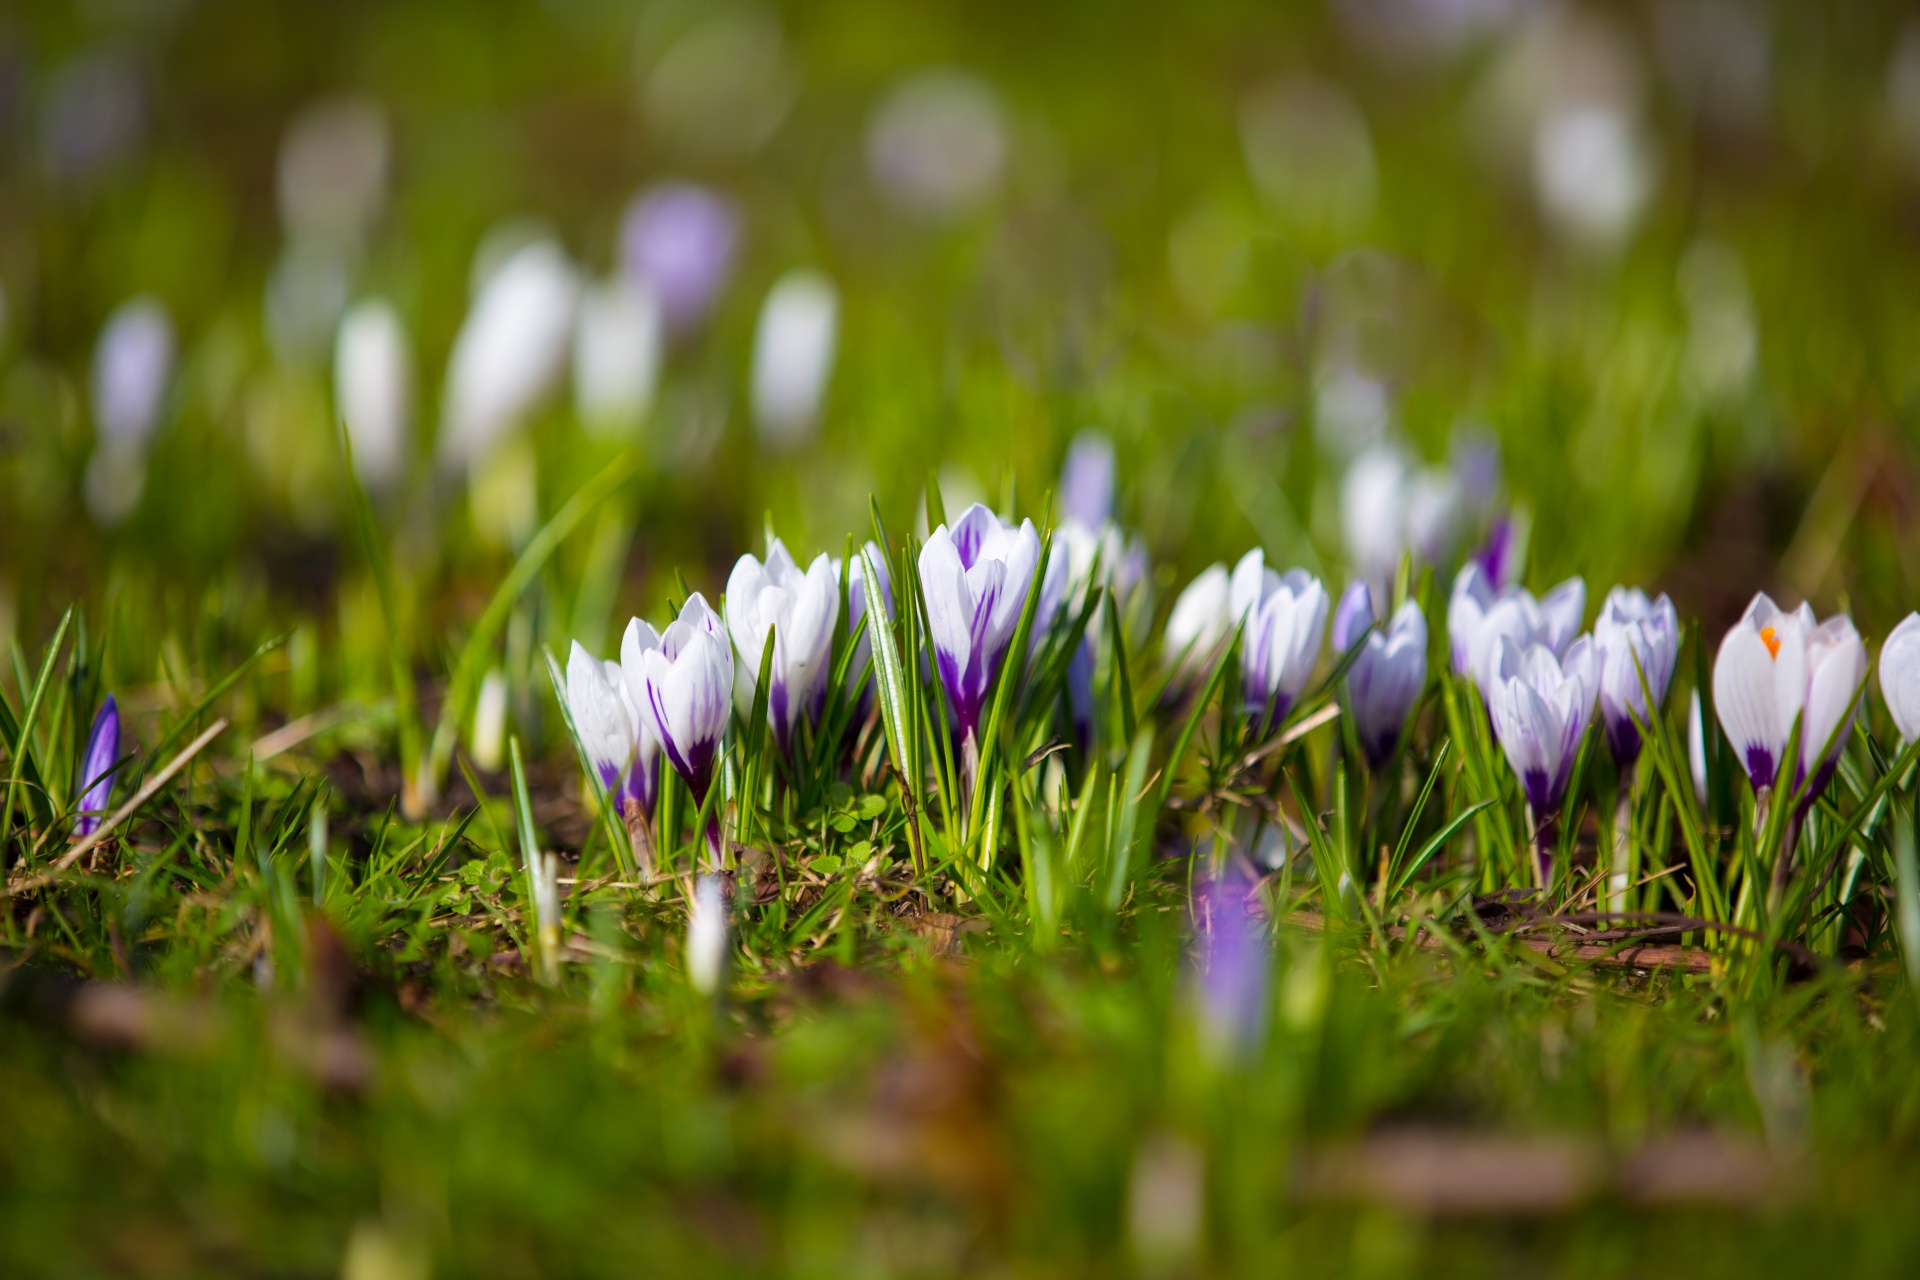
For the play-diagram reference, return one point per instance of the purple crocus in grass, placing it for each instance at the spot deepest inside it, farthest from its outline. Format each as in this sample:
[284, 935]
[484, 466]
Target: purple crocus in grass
[622, 752]
[1774, 667]
[1388, 674]
[976, 575]
[1633, 635]
[800, 609]
[1541, 707]
[97, 768]
[686, 692]
[1231, 961]
[1284, 618]
[678, 240]
[1479, 617]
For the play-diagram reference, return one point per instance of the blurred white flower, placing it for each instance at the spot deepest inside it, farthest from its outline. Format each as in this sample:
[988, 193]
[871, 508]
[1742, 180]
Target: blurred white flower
[793, 350]
[333, 171]
[1592, 172]
[937, 143]
[132, 364]
[509, 352]
[489, 739]
[1307, 146]
[1422, 30]
[1350, 410]
[373, 390]
[616, 356]
[1086, 480]
[1201, 618]
[1388, 508]
[1900, 676]
[800, 609]
[306, 292]
[1723, 340]
[707, 936]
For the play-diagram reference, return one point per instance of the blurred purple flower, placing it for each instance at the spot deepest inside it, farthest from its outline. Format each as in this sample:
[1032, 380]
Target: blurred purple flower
[1495, 556]
[131, 366]
[678, 239]
[1231, 961]
[97, 767]
[1086, 480]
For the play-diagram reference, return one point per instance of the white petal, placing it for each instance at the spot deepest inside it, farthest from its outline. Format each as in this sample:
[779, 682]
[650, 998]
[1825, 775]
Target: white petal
[1900, 676]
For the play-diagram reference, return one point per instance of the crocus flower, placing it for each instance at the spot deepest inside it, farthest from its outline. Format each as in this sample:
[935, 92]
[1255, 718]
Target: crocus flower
[1478, 617]
[1774, 667]
[793, 350]
[616, 357]
[1386, 678]
[976, 577]
[678, 240]
[800, 609]
[1541, 707]
[686, 691]
[707, 935]
[601, 697]
[1900, 676]
[373, 390]
[1231, 962]
[937, 144]
[97, 767]
[1495, 556]
[1285, 620]
[1633, 635]
[1387, 508]
[1102, 559]
[857, 609]
[1201, 618]
[1086, 480]
[1697, 748]
[510, 350]
[643, 777]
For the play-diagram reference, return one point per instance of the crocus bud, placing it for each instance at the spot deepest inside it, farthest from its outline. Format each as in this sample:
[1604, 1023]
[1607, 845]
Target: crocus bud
[1373, 511]
[601, 716]
[857, 607]
[1634, 636]
[509, 352]
[1086, 480]
[793, 350]
[976, 576]
[1900, 676]
[1473, 594]
[1387, 677]
[1562, 610]
[707, 935]
[1285, 621]
[97, 767]
[678, 240]
[1773, 667]
[373, 390]
[1495, 556]
[800, 609]
[686, 691]
[616, 357]
[131, 367]
[1541, 708]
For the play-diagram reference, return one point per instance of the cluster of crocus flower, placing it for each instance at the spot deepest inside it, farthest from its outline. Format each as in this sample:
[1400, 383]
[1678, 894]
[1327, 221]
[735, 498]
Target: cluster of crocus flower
[1282, 623]
[669, 694]
[1777, 668]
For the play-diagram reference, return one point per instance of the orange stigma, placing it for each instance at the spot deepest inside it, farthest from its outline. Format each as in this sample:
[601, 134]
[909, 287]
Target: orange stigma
[1772, 641]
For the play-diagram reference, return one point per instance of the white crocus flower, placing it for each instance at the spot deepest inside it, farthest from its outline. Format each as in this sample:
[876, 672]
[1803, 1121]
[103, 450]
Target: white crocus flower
[1900, 676]
[1697, 747]
[510, 350]
[1774, 667]
[1284, 618]
[976, 575]
[793, 350]
[800, 609]
[1201, 618]
[132, 366]
[1634, 636]
[1387, 677]
[373, 390]
[686, 692]
[1541, 707]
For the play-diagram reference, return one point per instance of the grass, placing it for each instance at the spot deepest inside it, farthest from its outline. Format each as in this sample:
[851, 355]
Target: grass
[357, 986]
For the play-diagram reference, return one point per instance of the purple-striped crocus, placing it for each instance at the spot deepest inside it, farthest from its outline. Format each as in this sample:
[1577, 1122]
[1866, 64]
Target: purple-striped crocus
[618, 747]
[800, 609]
[686, 692]
[976, 576]
[1478, 618]
[1284, 622]
[1633, 635]
[1541, 707]
[97, 768]
[857, 609]
[1387, 676]
[1774, 667]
